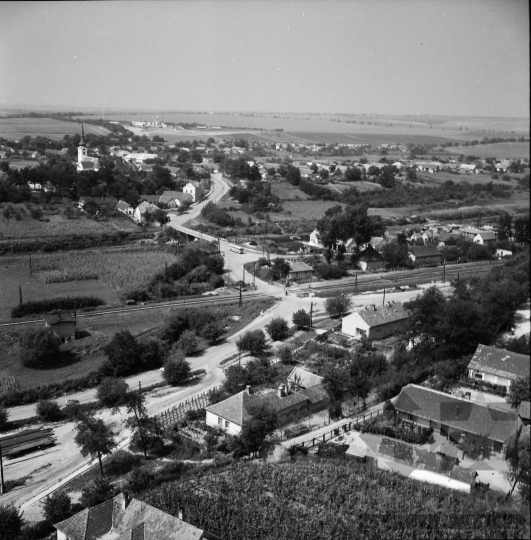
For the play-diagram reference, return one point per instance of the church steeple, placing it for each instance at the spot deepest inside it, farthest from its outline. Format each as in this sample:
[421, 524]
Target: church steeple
[82, 141]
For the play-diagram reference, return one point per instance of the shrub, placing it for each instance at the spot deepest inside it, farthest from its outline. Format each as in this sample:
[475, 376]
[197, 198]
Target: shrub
[4, 422]
[189, 342]
[38, 347]
[120, 463]
[39, 307]
[277, 329]
[285, 355]
[48, 410]
[301, 319]
[253, 341]
[98, 492]
[57, 507]
[337, 305]
[112, 391]
[11, 520]
[176, 370]
[139, 480]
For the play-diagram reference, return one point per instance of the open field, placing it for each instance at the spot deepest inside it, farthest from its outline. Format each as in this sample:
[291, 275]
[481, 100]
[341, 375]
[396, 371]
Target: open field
[515, 150]
[308, 209]
[57, 225]
[16, 128]
[481, 178]
[286, 192]
[122, 270]
[14, 272]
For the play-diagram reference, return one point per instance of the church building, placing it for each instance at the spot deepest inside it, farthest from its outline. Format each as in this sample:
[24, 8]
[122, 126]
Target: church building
[85, 162]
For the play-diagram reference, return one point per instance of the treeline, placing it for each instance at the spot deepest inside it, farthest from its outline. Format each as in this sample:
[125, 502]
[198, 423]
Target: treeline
[198, 270]
[211, 212]
[39, 307]
[71, 242]
[256, 197]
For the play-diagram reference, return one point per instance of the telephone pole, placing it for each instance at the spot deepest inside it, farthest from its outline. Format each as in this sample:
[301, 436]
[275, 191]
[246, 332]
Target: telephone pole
[2, 485]
[31, 269]
[240, 302]
[254, 275]
[311, 315]
[20, 294]
[383, 303]
[444, 271]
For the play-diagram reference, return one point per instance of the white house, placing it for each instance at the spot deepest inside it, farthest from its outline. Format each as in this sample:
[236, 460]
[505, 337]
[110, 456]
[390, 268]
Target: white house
[485, 238]
[175, 199]
[503, 253]
[142, 209]
[467, 168]
[376, 322]
[139, 157]
[498, 366]
[195, 190]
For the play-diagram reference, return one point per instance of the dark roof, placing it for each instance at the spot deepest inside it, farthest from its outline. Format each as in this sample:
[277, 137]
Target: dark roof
[523, 410]
[476, 418]
[468, 476]
[382, 314]
[87, 165]
[425, 251]
[487, 235]
[59, 317]
[315, 394]
[369, 254]
[99, 520]
[122, 205]
[300, 267]
[150, 198]
[500, 362]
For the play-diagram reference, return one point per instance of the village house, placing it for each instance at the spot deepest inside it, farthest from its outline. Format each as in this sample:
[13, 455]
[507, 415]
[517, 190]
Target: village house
[195, 190]
[300, 272]
[143, 209]
[504, 253]
[98, 201]
[124, 517]
[458, 418]
[175, 199]
[300, 379]
[125, 208]
[425, 255]
[378, 243]
[466, 168]
[63, 325]
[498, 366]
[376, 322]
[231, 414]
[485, 238]
[502, 166]
[369, 260]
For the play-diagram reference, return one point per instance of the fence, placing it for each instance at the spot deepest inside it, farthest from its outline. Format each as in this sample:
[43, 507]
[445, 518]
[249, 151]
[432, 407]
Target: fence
[347, 426]
[171, 416]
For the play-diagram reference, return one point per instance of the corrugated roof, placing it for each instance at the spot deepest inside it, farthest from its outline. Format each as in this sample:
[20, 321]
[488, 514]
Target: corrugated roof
[500, 362]
[382, 314]
[496, 424]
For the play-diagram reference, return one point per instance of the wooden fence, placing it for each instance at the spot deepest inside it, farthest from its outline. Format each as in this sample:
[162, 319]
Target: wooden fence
[335, 432]
[171, 416]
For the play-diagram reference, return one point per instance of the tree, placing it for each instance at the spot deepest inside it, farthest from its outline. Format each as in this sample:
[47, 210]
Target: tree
[337, 305]
[280, 268]
[98, 492]
[94, 438]
[519, 391]
[262, 422]
[38, 347]
[176, 370]
[519, 470]
[112, 391]
[48, 410]
[336, 382]
[285, 355]
[395, 254]
[123, 354]
[189, 342]
[301, 319]
[11, 522]
[4, 415]
[57, 507]
[152, 353]
[253, 341]
[277, 329]
[147, 431]
[212, 331]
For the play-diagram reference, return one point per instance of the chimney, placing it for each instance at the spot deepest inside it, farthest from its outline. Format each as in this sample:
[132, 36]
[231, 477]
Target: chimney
[180, 513]
[248, 389]
[281, 390]
[125, 500]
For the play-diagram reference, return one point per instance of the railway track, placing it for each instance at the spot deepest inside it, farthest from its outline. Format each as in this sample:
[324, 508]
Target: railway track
[214, 301]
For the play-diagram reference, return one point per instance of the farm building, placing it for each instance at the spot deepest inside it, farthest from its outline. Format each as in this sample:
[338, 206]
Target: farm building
[470, 232]
[425, 255]
[503, 253]
[231, 414]
[458, 418]
[378, 243]
[315, 239]
[369, 259]
[300, 272]
[125, 208]
[124, 517]
[63, 325]
[498, 366]
[468, 168]
[175, 199]
[485, 238]
[376, 322]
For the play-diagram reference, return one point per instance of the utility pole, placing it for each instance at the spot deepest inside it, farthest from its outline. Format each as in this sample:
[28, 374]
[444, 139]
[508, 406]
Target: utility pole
[243, 275]
[383, 303]
[356, 283]
[254, 275]
[219, 246]
[311, 315]
[444, 271]
[240, 303]
[20, 294]
[2, 485]
[236, 239]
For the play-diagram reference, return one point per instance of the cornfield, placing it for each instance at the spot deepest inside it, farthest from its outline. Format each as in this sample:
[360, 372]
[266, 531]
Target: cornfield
[121, 270]
[8, 383]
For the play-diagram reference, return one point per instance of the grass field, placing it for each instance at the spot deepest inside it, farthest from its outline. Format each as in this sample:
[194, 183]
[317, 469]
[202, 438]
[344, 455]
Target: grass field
[57, 224]
[481, 178]
[16, 128]
[308, 209]
[498, 150]
[122, 270]
[14, 272]
[286, 192]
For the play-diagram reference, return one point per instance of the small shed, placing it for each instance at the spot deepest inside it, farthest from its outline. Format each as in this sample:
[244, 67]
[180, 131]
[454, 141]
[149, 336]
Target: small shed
[63, 325]
[300, 272]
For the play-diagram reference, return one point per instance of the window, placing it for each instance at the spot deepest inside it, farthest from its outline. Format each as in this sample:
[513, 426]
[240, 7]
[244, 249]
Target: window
[227, 423]
[220, 421]
[478, 375]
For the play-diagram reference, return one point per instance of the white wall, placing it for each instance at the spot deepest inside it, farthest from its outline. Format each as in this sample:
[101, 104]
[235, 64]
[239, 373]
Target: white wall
[213, 420]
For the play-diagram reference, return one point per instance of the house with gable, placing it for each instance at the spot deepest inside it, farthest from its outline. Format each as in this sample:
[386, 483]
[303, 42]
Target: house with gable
[301, 379]
[143, 209]
[498, 366]
[195, 190]
[300, 272]
[425, 255]
[125, 208]
[126, 518]
[376, 322]
[458, 418]
[175, 199]
[231, 414]
[369, 259]
[485, 238]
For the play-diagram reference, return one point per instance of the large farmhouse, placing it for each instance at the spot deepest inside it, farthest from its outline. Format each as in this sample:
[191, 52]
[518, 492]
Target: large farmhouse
[376, 322]
[231, 414]
[498, 366]
[456, 417]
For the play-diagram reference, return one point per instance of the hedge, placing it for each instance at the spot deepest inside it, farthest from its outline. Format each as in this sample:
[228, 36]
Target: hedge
[39, 307]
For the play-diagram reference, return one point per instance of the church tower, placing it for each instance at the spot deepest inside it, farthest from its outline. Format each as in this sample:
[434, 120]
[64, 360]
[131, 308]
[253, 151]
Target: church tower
[81, 149]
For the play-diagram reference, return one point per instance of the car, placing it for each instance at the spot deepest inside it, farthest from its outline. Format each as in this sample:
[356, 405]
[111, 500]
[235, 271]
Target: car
[72, 401]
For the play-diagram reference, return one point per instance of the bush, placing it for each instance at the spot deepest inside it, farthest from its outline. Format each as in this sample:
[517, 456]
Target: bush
[139, 480]
[98, 492]
[38, 307]
[11, 520]
[48, 410]
[4, 415]
[112, 391]
[120, 463]
[285, 355]
[277, 329]
[38, 347]
[57, 507]
[253, 341]
[189, 342]
[337, 305]
[301, 319]
[176, 370]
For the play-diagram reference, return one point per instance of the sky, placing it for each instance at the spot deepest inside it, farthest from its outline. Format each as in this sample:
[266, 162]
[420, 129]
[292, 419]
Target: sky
[398, 57]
